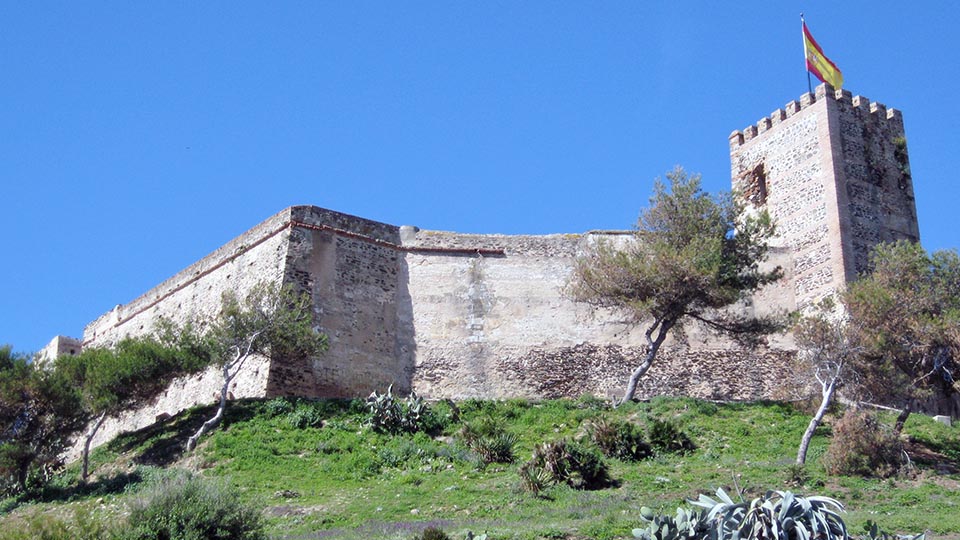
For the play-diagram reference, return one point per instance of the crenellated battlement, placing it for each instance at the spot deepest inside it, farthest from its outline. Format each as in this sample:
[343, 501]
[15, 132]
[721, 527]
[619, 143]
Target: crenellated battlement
[871, 111]
[832, 169]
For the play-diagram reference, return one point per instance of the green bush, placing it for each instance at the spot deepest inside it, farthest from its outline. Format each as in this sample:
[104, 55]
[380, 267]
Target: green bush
[305, 415]
[402, 450]
[594, 403]
[489, 440]
[191, 508]
[43, 526]
[862, 446]
[619, 440]
[277, 407]
[665, 436]
[432, 533]
[389, 414]
[872, 531]
[564, 462]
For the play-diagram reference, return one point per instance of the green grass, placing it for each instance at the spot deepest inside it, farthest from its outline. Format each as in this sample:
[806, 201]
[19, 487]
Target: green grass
[334, 477]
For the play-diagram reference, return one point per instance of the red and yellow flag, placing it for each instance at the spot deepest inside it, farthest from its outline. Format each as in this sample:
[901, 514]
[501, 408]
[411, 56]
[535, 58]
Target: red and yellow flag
[818, 63]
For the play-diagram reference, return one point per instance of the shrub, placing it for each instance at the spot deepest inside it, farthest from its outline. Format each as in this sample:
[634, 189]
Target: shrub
[619, 440]
[391, 415]
[401, 450]
[305, 415]
[190, 507]
[564, 462]
[665, 436]
[862, 446]
[872, 531]
[488, 439]
[277, 407]
[432, 533]
[594, 403]
[44, 526]
[534, 479]
[797, 475]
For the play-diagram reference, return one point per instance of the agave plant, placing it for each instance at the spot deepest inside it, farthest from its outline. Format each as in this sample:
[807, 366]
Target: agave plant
[686, 525]
[777, 515]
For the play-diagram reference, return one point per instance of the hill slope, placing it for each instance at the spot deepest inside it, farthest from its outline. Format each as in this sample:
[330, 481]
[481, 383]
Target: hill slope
[319, 472]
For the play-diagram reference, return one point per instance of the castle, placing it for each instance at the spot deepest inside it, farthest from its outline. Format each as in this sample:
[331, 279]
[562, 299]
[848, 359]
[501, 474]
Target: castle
[468, 315]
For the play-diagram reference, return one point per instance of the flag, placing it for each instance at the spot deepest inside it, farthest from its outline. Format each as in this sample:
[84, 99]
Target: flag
[818, 63]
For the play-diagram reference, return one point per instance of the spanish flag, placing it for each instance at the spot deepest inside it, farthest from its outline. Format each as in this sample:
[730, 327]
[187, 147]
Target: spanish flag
[818, 63]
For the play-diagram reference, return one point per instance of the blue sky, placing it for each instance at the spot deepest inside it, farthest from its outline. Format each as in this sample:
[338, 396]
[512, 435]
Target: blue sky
[138, 137]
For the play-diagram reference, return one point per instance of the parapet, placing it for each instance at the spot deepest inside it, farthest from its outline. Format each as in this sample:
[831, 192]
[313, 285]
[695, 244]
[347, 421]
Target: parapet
[58, 346]
[866, 109]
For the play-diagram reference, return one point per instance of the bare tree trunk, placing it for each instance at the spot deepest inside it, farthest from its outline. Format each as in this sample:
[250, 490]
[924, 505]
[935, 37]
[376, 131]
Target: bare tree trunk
[215, 421]
[654, 344]
[86, 445]
[902, 419]
[828, 391]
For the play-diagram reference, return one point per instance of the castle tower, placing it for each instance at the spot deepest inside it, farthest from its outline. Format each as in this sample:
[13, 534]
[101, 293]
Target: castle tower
[833, 172]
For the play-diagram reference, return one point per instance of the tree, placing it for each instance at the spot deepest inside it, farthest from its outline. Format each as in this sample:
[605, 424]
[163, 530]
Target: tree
[908, 314]
[830, 347]
[114, 380]
[276, 323]
[39, 409]
[693, 255]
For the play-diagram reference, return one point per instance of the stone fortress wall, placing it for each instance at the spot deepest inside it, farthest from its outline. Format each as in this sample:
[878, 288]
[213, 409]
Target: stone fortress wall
[465, 315]
[832, 170]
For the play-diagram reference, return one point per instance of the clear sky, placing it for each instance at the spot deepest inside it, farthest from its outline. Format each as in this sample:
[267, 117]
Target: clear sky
[137, 137]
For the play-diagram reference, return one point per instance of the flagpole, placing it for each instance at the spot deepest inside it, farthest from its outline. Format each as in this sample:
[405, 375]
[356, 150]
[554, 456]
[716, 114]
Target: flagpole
[809, 84]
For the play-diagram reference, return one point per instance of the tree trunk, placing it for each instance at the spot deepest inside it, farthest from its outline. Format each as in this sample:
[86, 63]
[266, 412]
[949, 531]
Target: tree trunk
[654, 344]
[902, 419]
[86, 445]
[635, 376]
[815, 421]
[215, 421]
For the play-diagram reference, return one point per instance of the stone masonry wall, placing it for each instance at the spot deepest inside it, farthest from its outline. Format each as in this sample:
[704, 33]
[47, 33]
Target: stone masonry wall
[833, 172]
[445, 314]
[353, 269]
[878, 187]
[502, 326]
[350, 266]
[255, 256]
[783, 164]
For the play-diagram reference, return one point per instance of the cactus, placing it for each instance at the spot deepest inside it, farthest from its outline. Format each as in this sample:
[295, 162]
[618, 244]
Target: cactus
[391, 415]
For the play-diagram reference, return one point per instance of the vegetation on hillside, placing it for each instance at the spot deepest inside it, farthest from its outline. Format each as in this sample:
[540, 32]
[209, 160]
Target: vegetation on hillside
[270, 321]
[320, 470]
[907, 314]
[111, 380]
[392, 467]
[39, 409]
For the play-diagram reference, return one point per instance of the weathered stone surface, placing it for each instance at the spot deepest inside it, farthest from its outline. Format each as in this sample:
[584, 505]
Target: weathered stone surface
[837, 182]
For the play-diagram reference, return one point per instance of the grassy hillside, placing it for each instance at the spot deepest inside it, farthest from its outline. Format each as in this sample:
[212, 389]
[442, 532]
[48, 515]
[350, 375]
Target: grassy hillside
[319, 472]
